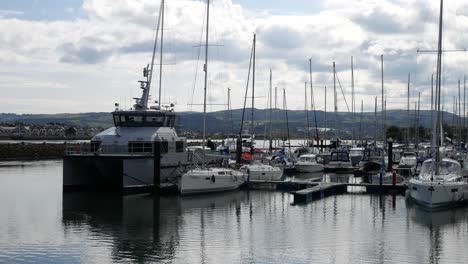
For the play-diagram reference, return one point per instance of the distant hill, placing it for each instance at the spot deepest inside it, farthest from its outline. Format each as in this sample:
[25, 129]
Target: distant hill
[218, 122]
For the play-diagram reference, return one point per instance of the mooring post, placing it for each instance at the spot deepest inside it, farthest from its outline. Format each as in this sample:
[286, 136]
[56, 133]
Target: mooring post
[156, 164]
[394, 178]
[238, 149]
[390, 155]
[381, 177]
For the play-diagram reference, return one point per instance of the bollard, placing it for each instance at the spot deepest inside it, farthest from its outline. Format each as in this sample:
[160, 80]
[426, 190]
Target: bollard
[394, 177]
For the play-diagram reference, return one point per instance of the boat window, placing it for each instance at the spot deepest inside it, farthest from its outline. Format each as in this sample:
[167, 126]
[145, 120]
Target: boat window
[155, 120]
[95, 146]
[339, 156]
[170, 120]
[144, 119]
[409, 155]
[164, 146]
[221, 173]
[132, 118]
[116, 120]
[445, 168]
[179, 146]
[140, 147]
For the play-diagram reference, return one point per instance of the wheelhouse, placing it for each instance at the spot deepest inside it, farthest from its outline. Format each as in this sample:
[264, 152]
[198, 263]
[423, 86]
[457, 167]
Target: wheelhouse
[144, 118]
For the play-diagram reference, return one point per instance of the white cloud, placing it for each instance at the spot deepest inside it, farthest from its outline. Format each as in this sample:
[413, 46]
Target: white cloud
[99, 59]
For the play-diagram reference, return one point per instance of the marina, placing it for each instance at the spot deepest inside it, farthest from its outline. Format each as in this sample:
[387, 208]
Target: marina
[172, 172]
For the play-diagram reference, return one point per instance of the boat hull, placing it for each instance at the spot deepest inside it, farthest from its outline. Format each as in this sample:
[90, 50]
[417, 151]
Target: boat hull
[339, 166]
[309, 167]
[122, 173]
[207, 182]
[263, 173]
[435, 195]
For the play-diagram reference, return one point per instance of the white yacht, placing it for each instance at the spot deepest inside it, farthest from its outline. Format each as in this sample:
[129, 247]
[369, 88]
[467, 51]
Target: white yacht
[444, 188]
[309, 163]
[210, 180]
[440, 182]
[262, 172]
[205, 179]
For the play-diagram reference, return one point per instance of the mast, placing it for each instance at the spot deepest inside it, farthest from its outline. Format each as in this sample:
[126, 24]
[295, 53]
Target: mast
[334, 100]
[375, 123]
[384, 139]
[360, 121]
[459, 114]
[352, 86]
[408, 114]
[253, 95]
[438, 86]
[432, 98]
[161, 53]
[285, 106]
[464, 107]
[353, 109]
[271, 115]
[205, 68]
[326, 129]
[312, 103]
[307, 113]
[419, 116]
[143, 102]
[415, 121]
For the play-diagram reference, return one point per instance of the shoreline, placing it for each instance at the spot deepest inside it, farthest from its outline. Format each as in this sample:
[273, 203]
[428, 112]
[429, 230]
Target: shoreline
[23, 151]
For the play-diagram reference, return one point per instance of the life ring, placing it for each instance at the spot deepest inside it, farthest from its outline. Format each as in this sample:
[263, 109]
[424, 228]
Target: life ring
[213, 179]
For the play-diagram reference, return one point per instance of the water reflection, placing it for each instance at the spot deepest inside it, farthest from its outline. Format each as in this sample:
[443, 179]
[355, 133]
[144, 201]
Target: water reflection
[147, 227]
[436, 218]
[39, 224]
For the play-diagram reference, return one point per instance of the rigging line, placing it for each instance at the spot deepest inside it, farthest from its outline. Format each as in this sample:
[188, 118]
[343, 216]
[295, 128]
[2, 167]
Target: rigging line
[198, 60]
[342, 92]
[246, 91]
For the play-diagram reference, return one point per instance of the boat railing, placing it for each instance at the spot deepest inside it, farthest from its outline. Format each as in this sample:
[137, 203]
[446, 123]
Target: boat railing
[195, 158]
[90, 149]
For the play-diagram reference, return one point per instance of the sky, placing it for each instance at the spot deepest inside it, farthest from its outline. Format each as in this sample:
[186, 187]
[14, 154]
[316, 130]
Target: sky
[86, 55]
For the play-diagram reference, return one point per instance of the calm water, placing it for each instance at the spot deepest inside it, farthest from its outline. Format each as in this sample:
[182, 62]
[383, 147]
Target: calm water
[40, 225]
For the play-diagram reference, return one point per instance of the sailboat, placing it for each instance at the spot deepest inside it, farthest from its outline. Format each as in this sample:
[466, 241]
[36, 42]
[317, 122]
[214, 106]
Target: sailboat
[256, 170]
[440, 183]
[204, 179]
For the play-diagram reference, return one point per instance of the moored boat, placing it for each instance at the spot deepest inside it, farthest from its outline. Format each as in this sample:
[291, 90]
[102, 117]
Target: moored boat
[262, 172]
[437, 189]
[309, 163]
[210, 180]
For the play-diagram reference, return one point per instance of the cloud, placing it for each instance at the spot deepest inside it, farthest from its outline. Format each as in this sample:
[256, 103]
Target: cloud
[86, 55]
[113, 40]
